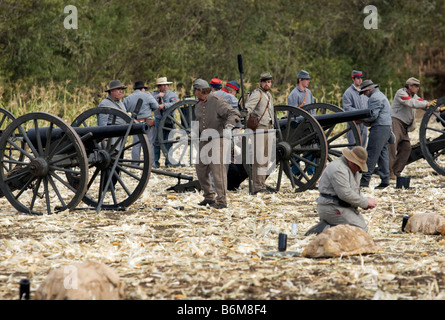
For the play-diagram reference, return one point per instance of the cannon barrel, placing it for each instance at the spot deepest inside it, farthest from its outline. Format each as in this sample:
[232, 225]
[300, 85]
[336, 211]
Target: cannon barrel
[346, 116]
[98, 133]
[334, 118]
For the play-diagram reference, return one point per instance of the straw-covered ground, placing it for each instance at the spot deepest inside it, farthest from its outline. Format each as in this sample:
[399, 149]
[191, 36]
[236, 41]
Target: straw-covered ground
[167, 247]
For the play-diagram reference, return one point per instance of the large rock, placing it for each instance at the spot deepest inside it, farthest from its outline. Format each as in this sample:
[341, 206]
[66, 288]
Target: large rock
[427, 223]
[81, 281]
[341, 240]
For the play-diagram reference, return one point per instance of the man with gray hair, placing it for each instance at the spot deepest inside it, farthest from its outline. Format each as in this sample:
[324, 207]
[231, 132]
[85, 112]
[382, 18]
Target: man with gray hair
[215, 117]
[403, 115]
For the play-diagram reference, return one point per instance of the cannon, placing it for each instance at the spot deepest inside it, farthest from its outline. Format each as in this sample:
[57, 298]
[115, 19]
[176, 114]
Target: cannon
[50, 166]
[303, 142]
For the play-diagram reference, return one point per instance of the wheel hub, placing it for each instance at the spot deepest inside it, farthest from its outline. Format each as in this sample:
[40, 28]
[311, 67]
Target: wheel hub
[284, 150]
[39, 167]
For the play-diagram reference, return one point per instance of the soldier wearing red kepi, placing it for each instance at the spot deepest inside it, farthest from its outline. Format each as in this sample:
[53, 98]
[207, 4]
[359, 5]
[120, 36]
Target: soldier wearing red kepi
[403, 115]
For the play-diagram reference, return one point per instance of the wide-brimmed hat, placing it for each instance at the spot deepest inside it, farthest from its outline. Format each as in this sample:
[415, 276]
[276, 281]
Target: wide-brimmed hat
[139, 85]
[266, 76]
[233, 84]
[367, 85]
[303, 74]
[200, 84]
[357, 155]
[162, 80]
[115, 84]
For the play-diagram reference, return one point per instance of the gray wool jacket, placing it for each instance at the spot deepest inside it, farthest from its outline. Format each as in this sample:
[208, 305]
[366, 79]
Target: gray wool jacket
[338, 180]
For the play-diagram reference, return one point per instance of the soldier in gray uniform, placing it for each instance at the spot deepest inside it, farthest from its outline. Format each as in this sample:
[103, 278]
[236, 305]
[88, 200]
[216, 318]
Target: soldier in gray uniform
[260, 104]
[353, 101]
[215, 116]
[113, 100]
[301, 95]
[115, 92]
[230, 97]
[379, 134]
[340, 196]
[149, 105]
[165, 98]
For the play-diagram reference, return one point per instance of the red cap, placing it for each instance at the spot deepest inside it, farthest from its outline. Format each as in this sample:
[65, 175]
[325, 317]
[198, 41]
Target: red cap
[215, 81]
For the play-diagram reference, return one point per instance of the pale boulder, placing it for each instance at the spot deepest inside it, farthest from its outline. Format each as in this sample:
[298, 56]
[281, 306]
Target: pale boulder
[426, 223]
[81, 281]
[341, 240]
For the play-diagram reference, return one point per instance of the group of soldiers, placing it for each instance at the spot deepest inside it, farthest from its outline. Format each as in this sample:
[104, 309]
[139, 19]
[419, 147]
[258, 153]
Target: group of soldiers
[387, 151]
[385, 143]
[151, 111]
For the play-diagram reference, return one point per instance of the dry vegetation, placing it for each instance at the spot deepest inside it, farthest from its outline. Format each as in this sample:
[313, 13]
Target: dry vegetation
[164, 251]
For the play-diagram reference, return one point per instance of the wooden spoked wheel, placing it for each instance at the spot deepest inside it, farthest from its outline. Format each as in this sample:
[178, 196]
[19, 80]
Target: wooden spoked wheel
[432, 138]
[174, 132]
[336, 134]
[130, 175]
[301, 150]
[37, 150]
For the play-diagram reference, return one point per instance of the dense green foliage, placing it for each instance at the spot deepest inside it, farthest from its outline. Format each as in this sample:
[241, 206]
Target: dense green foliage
[141, 40]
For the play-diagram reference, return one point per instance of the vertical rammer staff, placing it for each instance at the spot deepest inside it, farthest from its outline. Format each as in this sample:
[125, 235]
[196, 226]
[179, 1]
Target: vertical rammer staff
[243, 108]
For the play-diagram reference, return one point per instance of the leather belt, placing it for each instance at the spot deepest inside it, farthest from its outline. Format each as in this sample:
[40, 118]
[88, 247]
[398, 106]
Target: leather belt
[340, 202]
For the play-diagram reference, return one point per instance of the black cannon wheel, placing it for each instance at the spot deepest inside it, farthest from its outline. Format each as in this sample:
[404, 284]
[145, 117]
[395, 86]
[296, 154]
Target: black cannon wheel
[130, 177]
[301, 150]
[336, 134]
[174, 132]
[6, 119]
[432, 138]
[42, 149]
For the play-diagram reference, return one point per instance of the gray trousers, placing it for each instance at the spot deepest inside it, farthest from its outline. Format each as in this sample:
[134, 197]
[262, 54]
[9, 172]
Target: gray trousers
[335, 215]
[136, 150]
[261, 159]
[363, 130]
[378, 153]
[207, 167]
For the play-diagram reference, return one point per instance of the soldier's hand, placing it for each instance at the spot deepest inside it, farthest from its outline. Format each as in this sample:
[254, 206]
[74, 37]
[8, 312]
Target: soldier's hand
[432, 103]
[372, 203]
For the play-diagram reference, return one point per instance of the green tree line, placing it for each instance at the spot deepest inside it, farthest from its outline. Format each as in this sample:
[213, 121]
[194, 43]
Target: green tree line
[183, 40]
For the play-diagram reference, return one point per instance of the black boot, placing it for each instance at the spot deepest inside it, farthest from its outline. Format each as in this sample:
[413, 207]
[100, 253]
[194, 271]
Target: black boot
[318, 228]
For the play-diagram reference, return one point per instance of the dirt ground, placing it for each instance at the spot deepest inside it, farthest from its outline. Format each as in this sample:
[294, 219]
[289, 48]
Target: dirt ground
[167, 247]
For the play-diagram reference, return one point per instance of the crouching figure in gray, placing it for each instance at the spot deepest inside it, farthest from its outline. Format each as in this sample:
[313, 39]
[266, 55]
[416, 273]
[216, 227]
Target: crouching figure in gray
[340, 196]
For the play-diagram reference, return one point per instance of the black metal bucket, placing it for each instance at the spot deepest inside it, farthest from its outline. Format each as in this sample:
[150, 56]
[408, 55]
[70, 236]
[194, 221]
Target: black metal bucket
[403, 182]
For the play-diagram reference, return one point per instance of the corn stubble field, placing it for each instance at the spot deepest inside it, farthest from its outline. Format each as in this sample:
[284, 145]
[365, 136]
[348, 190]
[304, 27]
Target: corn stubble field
[167, 247]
